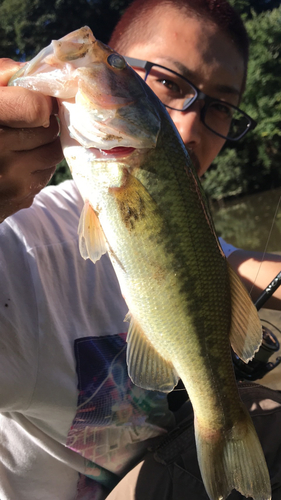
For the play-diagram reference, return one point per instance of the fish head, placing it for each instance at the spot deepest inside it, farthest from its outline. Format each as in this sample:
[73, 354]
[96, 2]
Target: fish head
[111, 107]
[103, 102]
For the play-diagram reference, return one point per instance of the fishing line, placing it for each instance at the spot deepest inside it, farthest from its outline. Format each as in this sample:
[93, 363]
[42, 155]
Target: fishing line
[267, 243]
[271, 324]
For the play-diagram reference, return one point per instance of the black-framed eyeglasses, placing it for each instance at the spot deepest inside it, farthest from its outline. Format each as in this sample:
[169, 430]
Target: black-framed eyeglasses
[178, 93]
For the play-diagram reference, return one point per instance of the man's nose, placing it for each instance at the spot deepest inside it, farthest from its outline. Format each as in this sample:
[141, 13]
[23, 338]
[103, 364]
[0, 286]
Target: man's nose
[189, 124]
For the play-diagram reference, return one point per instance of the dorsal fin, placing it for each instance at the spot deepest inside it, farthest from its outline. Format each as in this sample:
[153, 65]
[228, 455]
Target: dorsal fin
[246, 329]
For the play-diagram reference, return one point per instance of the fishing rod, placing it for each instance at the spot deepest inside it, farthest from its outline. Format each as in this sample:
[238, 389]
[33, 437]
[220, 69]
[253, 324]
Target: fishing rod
[259, 366]
[269, 291]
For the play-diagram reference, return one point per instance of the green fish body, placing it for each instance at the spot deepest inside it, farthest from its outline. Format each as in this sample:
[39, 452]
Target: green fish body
[144, 205]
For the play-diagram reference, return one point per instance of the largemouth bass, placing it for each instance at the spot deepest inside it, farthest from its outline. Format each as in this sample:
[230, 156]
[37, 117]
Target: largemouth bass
[144, 205]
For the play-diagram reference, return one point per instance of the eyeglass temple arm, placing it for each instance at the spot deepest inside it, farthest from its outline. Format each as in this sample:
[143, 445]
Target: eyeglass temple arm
[135, 62]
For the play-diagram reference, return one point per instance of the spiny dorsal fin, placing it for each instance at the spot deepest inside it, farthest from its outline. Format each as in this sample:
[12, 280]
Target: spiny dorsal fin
[146, 367]
[92, 243]
[246, 328]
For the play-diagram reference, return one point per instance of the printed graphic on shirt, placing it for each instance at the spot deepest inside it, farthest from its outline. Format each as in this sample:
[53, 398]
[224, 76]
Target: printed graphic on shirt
[89, 490]
[114, 417]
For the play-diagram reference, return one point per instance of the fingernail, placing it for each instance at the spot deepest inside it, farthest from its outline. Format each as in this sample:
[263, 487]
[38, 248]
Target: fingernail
[46, 124]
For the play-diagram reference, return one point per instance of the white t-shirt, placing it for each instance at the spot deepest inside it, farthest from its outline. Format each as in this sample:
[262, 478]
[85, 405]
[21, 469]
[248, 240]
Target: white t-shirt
[226, 247]
[68, 409]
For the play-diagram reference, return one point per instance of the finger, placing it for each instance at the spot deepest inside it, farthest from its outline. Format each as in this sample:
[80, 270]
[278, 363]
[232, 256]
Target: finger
[19, 166]
[8, 68]
[19, 195]
[39, 159]
[15, 192]
[46, 156]
[11, 200]
[23, 108]
[24, 139]
[31, 172]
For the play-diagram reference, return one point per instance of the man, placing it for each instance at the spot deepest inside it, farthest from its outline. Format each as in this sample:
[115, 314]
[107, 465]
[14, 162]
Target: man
[35, 136]
[62, 317]
[188, 47]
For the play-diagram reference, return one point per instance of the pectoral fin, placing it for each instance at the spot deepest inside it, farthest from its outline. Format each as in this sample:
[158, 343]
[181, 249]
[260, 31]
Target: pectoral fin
[146, 367]
[92, 243]
[246, 328]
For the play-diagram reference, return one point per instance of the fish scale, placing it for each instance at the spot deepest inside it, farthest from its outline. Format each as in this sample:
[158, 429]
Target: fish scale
[145, 206]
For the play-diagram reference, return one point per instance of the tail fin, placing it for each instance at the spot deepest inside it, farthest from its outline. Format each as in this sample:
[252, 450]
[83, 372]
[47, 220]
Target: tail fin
[233, 461]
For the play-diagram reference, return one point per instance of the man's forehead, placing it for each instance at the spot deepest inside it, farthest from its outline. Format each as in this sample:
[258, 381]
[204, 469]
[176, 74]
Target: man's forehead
[196, 48]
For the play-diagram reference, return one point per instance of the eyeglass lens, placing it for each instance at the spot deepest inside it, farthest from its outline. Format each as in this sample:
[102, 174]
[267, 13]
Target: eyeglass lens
[226, 120]
[175, 92]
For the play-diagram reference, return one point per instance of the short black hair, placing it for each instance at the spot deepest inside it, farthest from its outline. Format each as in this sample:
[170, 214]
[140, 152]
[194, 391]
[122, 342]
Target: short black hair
[135, 27]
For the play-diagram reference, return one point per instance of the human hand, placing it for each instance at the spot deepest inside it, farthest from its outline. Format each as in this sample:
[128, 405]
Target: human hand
[29, 143]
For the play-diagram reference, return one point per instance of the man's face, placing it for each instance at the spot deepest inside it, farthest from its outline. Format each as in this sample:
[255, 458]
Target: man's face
[199, 51]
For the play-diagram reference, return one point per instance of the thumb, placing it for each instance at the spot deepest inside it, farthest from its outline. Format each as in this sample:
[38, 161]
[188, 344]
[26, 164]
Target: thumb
[8, 68]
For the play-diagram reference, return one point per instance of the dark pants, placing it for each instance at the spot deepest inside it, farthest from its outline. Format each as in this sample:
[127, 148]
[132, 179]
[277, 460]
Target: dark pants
[171, 471]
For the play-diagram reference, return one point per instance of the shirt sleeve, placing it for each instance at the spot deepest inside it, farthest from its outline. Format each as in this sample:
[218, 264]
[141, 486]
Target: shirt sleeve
[226, 247]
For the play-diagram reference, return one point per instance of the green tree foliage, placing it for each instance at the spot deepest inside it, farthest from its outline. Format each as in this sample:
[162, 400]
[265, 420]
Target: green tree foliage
[247, 7]
[254, 163]
[26, 26]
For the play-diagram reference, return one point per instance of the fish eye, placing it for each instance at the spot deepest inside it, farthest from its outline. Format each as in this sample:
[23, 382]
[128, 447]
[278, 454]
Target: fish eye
[116, 61]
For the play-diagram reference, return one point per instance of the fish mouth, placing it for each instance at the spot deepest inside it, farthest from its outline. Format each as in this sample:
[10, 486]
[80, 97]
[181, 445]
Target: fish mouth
[117, 152]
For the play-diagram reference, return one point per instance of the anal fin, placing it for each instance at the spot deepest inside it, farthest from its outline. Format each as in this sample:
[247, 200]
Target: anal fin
[92, 242]
[146, 367]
